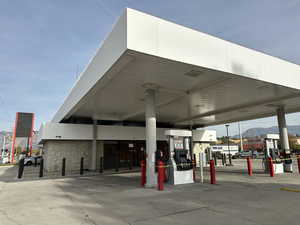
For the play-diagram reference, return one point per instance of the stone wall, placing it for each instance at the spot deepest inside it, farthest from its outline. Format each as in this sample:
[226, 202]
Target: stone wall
[56, 150]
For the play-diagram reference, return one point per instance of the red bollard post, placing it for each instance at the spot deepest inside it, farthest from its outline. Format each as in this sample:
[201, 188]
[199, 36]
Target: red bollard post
[271, 165]
[160, 176]
[249, 164]
[166, 178]
[298, 159]
[194, 169]
[212, 172]
[143, 173]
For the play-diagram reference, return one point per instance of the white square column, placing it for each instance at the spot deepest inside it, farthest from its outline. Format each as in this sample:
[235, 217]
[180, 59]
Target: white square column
[93, 165]
[283, 132]
[150, 137]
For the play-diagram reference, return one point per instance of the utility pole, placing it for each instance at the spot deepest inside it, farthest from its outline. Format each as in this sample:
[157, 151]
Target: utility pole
[241, 137]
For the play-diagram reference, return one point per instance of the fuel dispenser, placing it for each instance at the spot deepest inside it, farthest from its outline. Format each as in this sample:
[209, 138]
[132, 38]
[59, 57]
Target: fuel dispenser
[180, 168]
[272, 151]
[288, 163]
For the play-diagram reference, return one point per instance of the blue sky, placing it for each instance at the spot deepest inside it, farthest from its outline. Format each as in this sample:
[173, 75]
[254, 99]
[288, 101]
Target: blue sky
[45, 44]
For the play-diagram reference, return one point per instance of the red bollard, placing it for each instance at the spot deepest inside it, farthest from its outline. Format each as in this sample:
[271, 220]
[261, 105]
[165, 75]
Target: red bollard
[249, 164]
[271, 165]
[298, 159]
[194, 169]
[161, 176]
[165, 174]
[212, 172]
[143, 173]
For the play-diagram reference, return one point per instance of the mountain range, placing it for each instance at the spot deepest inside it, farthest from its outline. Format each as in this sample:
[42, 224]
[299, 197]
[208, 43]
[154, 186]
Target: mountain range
[259, 131]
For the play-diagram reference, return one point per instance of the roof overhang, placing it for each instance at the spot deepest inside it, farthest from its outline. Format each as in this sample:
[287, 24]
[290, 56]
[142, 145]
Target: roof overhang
[200, 80]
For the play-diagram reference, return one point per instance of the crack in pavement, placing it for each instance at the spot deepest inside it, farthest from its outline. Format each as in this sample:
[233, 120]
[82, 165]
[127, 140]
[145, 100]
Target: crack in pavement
[176, 213]
[188, 211]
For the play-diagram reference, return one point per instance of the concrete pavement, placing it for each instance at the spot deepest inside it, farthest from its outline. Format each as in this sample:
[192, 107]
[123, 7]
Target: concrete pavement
[118, 199]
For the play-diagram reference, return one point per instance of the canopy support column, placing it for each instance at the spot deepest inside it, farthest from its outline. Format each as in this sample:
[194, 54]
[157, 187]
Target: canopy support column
[94, 146]
[283, 132]
[150, 137]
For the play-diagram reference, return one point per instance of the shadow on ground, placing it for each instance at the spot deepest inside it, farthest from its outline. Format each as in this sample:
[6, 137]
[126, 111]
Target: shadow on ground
[119, 199]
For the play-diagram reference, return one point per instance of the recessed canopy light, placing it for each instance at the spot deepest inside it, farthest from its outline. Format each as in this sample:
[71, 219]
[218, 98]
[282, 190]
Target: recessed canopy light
[199, 105]
[263, 87]
[194, 73]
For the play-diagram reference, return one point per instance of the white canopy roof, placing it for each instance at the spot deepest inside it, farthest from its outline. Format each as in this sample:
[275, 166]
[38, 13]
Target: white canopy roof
[200, 79]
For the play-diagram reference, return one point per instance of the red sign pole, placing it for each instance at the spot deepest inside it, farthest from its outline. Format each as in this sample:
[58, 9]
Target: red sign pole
[298, 159]
[14, 139]
[31, 135]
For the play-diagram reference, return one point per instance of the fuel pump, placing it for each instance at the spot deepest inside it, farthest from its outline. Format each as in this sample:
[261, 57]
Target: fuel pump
[272, 151]
[180, 168]
[288, 163]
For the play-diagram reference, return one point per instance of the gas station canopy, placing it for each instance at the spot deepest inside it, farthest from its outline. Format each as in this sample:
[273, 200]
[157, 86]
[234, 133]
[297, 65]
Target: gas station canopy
[199, 79]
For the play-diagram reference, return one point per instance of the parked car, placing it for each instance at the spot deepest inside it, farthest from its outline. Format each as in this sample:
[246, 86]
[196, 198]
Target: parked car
[28, 161]
[244, 154]
[236, 155]
[256, 154]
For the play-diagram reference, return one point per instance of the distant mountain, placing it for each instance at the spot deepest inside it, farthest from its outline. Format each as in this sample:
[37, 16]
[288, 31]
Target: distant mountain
[259, 131]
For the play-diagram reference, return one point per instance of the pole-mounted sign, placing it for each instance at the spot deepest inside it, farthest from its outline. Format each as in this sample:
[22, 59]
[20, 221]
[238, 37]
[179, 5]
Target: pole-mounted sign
[23, 129]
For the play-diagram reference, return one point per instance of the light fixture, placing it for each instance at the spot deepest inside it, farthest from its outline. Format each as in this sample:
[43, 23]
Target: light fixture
[194, 73]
